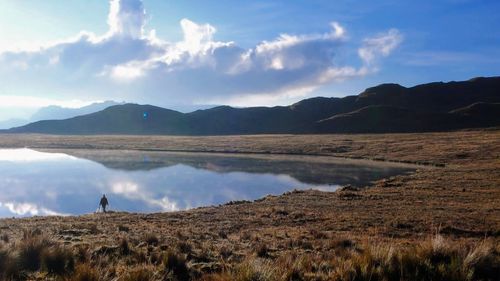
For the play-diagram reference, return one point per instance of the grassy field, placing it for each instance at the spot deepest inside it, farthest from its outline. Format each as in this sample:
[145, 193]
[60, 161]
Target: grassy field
[440, 223]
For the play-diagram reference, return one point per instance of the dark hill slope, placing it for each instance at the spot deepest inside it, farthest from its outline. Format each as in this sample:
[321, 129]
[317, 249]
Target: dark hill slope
[254, 120]
[387, 119]
[433, 97]
[118, 119]
[480, 113]
[384, 108]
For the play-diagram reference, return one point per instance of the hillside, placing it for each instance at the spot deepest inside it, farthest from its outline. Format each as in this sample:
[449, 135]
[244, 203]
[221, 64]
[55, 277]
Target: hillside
[118, 119]
[55, 112]
[385, 108]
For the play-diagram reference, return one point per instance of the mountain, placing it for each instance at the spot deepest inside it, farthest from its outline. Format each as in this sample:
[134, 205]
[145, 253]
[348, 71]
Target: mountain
[54, 112]
[117, 119]
[386, 119]
[382, 109]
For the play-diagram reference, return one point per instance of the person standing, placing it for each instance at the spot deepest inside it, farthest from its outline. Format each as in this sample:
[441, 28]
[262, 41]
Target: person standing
[104, 203]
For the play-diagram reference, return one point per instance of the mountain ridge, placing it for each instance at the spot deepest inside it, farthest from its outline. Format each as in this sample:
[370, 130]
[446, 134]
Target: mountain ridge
[385, 108]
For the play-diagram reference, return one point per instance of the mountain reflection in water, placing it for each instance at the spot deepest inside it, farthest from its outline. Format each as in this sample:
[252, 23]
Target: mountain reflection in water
[64, 182]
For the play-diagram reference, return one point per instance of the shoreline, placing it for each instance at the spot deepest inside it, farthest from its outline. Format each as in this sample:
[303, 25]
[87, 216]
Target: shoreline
[298, 157]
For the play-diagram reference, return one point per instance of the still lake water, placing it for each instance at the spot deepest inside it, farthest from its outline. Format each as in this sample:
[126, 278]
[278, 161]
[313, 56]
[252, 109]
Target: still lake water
[65, 182]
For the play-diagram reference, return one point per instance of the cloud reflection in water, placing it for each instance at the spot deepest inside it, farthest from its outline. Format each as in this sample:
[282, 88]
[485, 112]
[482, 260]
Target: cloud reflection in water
[47, 183]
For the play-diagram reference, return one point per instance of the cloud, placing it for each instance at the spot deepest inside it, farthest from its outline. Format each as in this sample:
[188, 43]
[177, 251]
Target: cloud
[379, 46]
[29, 155]
[126, 18]
[31, 209]
[132, 190]
[128, 62]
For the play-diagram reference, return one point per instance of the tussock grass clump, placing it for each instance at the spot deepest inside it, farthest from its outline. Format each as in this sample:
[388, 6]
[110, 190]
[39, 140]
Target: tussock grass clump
[151, 239]
[222, 234]
[184, 247]
[262, 250]
[124, 247]
[246, 236]
[30, 250]
[139, 256]
[82, 253]
[300, 243]
[255, 270]
[4, 237]
[484, 260]
[225, 252]
[4, 255]
[58, 261]
[342, 244]
[318, 234]
[8, 266]
[92, 227]
[176, 266]
[142, 273]
[123, 228]
[180, 235]
[84, 272]
[155, 258]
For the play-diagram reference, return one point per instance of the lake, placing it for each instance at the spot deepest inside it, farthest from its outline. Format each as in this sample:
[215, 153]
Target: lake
[71, 182]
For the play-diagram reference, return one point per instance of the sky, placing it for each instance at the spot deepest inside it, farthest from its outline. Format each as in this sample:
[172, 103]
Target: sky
[188, 54]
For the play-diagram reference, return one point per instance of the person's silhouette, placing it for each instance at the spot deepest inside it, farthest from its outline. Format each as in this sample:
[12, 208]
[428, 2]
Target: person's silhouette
[104, 203]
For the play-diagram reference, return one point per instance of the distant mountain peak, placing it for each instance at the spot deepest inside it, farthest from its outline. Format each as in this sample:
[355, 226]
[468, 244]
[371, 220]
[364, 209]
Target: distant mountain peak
[55, 112]
[381, 109]
[386, 88]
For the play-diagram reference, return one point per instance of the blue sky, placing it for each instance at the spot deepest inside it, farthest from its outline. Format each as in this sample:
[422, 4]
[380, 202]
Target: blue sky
[241, 53]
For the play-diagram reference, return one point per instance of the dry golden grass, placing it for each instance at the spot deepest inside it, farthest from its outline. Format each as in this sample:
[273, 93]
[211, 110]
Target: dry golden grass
[418, 147]
[434, 258]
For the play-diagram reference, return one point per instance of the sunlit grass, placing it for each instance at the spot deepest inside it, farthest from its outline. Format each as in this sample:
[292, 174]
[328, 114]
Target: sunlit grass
[433, 259]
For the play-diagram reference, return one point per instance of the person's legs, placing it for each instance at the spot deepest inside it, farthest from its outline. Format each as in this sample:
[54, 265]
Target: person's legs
[104, 208]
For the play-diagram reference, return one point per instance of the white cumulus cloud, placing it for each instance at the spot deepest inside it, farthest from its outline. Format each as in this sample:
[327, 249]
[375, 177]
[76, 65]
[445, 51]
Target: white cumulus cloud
[126, 18]
[128, 62]
[380, 46]
[22, 209]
